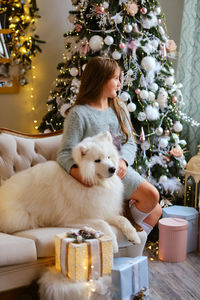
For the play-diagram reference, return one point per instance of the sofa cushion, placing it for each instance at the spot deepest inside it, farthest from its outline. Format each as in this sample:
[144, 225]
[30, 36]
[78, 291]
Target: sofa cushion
[16, 250]
[44, 238]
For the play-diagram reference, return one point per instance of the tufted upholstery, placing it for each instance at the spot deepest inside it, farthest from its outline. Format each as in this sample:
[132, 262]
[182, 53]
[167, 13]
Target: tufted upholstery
[20, 151]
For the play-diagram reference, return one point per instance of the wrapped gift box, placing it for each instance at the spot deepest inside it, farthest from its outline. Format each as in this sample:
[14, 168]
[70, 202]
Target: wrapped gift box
[190, 214]
[83, 261]
[130, 277]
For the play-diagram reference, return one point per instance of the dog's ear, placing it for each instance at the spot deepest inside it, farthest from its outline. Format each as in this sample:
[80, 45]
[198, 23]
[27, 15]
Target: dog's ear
[83, 150]
[105, 136]
[79, 151]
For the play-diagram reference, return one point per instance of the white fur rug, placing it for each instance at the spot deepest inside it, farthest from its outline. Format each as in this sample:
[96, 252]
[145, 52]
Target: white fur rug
[53, 285]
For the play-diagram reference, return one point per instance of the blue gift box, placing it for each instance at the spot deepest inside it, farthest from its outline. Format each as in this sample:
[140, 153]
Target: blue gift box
[191, 215]
[129, 277]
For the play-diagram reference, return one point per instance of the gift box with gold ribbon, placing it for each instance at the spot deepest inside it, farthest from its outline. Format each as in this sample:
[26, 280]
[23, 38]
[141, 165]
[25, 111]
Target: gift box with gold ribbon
[82, 258]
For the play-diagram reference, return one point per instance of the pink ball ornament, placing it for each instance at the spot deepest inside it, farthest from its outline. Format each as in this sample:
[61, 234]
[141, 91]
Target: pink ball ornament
[79, 27]
[137, 91]
[122, 45]
[143, 10]
[167, 132]
[174, 99]
[100, 10]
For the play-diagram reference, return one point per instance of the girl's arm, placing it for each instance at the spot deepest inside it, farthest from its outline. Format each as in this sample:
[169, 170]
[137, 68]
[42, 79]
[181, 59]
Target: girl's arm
[128, 150]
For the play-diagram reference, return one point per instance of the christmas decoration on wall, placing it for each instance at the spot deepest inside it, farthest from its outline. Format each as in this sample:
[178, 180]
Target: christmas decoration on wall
[133, 33]
[20, 16]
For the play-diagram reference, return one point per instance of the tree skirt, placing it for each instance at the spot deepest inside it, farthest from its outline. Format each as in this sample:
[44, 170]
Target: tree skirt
[53, 285]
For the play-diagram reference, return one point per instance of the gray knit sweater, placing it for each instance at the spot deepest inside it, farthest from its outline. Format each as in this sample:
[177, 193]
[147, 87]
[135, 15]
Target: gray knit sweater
[83, 121]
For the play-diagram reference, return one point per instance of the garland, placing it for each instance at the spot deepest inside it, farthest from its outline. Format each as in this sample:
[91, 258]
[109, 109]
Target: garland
[22, 44]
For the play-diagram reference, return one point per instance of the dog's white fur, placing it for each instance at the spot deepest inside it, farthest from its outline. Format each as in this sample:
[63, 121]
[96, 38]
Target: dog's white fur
[45, 195]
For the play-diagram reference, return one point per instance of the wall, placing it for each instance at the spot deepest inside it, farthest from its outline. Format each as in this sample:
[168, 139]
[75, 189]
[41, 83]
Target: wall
[173, 11]
[16, 110]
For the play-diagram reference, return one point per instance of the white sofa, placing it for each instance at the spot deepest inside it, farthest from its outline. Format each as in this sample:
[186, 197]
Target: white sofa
[24, 254]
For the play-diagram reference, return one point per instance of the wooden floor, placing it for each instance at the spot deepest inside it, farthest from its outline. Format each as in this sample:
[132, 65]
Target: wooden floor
[174, 281]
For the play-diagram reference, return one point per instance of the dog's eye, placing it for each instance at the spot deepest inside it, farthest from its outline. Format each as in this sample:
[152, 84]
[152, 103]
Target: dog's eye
[97, 161]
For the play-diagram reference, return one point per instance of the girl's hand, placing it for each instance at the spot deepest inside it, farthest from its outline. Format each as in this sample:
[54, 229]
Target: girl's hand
[75, 172]
[122, 168]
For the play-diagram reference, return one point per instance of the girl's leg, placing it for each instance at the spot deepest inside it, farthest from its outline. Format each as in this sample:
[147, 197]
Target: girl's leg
[145, 209]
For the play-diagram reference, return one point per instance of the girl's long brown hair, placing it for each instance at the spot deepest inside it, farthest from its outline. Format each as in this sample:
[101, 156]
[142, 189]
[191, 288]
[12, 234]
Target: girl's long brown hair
[95, 75]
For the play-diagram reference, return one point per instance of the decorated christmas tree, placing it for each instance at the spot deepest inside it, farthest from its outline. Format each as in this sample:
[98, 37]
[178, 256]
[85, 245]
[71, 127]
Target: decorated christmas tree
[133, 33]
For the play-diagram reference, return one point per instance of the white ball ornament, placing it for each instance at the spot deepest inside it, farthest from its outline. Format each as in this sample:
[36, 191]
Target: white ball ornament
[159, 131]
[105, 4]
[96, 42]
[157, 10]
[148, 63]
[118, 19]
[124, 96]
[154, 44]
[178, 127]
[108, 40]
[116, 55]
[145, 146]
[169, 80]
[156, 104]
[163, 179]
[73, 71]
[171, 70]
[131, 107]
[144, 94]
[128, 28]
[153, 87]
[141, 116]
[163, 143]
[151, 96]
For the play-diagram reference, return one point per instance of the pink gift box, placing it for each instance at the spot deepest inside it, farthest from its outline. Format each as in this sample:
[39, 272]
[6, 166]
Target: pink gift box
[172, 239]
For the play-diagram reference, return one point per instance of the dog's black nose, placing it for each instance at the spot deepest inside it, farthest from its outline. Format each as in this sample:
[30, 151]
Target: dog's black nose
[112, 170]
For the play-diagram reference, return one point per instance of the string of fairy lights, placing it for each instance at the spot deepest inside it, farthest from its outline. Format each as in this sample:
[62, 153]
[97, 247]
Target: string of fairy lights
[20, 17]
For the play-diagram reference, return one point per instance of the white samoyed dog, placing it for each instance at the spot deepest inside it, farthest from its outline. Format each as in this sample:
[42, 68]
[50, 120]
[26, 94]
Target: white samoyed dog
[45, 195]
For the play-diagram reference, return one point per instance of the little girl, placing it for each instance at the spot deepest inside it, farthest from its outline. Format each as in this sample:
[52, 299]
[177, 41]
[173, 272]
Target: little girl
[95, 110]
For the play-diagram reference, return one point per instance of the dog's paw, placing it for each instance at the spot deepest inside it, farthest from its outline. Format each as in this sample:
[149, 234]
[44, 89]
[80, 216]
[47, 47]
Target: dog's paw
[134, 238]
